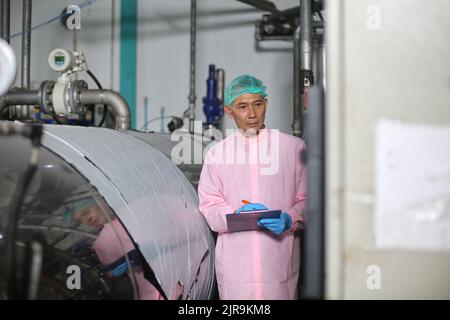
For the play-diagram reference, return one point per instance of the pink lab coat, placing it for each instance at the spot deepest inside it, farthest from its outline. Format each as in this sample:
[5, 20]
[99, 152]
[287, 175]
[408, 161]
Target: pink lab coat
[255, 264]
[108, 249]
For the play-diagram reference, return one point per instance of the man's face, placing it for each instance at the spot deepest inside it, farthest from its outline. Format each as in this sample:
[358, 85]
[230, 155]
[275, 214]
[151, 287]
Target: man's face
[92, 216]
[248, 110]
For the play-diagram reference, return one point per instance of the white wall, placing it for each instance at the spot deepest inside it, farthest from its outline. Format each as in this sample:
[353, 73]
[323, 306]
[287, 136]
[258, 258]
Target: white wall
[225, 38]
[94, 39]
[399, 72]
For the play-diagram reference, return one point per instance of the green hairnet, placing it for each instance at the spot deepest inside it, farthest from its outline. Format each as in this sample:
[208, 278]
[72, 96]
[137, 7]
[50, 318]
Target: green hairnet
[77, 206]
[243, 84]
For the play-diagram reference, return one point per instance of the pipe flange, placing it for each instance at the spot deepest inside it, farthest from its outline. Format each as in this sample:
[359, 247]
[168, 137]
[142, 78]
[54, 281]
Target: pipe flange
[75, 89]
[46, 96]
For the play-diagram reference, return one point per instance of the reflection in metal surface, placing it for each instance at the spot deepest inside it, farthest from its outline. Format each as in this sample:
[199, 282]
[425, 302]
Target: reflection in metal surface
[106, 217]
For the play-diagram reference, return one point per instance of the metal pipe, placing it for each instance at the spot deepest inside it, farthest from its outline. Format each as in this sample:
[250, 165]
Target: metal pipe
[6, 12]
[284, 13]
[261, 4]
[306, 34]
[260, 36]
[220, 76]
[192, 96]
[26, 57]
[119, 106]
[297, 123]
[20, 97]
[314, 240]
[6, 34]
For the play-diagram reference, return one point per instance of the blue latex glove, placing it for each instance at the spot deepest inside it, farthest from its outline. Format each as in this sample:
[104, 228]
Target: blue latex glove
[120, 269]
[120, 266]
[251, 207]
[277, 225]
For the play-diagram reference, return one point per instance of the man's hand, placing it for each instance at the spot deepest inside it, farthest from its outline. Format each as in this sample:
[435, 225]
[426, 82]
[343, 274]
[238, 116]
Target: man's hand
[277, 225]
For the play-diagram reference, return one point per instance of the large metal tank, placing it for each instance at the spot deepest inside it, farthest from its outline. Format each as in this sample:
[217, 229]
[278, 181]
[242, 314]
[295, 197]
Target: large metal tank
[104, 202]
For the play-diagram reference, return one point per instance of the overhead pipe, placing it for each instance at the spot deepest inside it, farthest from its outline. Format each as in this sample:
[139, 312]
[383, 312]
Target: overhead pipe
[119, 106]
[284, 13]
[263, 5]
[26, 57]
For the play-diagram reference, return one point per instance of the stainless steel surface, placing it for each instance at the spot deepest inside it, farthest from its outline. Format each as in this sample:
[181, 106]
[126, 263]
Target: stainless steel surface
[111, 98]
[54, 233]
[19, 96]
[163, 142]
[151, 197]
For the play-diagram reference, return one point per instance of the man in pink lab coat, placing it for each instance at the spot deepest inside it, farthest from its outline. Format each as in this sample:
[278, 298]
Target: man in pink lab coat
[263, 166]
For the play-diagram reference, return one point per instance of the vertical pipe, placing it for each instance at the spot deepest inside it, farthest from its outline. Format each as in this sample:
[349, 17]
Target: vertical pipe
[128, 47]
[5, 24]
[146, 113]
[306, 34]
[5, 34]
[162, 118]
[26, 57]
[220, 76]
[192, 96]
[314, 240]
[112, 50]
[297, 122]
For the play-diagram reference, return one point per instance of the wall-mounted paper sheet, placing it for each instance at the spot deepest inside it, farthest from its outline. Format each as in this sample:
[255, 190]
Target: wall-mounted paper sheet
[412, 209]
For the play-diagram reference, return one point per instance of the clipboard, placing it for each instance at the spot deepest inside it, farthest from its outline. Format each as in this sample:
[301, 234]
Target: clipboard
[247, 221]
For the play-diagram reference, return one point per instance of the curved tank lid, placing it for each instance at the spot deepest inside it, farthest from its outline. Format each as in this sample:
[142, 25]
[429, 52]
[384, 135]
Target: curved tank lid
[152, 198]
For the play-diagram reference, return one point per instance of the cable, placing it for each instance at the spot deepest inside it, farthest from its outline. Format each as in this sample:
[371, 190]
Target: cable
[105, 107]
[34, 132]
[154, 119]
[58, 17]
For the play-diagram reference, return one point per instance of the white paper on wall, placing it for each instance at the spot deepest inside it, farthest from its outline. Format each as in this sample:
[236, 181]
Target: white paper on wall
[412, 186]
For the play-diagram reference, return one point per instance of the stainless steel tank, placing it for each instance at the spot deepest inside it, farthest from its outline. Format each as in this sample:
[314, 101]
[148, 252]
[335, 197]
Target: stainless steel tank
[112, 207]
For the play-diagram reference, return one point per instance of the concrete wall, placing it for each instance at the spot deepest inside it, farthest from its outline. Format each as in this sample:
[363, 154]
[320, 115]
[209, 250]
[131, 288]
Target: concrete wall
[397, 71]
